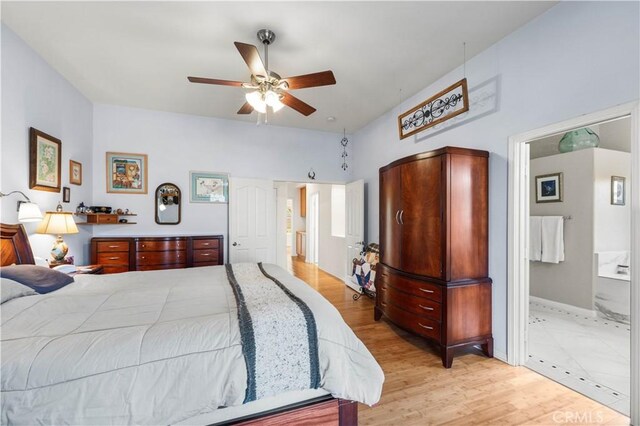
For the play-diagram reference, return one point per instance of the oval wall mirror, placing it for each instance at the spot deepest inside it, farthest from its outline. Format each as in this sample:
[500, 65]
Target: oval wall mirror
[168, 198]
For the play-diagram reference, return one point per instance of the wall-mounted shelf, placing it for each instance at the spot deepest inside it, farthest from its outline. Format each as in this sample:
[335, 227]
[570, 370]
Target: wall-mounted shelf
[104, 219]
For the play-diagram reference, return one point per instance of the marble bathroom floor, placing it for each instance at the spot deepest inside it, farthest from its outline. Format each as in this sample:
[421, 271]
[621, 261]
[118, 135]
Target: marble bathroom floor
[587, 354]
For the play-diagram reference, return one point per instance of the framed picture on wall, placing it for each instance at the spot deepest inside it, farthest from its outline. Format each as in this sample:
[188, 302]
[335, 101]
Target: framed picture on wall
[45, 152]
[549, 188]
[208, 187]
[75, 172]
[66, 194]
[617, 190]
[126, 173]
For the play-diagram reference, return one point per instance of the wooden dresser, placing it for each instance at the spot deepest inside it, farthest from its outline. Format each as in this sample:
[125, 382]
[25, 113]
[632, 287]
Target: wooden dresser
[122, 254]
[433, 273]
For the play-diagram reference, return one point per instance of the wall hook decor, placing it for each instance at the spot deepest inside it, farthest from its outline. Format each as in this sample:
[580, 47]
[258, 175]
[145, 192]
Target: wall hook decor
[311, 174]
[344, 142]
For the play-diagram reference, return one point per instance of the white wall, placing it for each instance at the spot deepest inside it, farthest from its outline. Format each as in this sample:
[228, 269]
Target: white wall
[178, 143]
[612, 224]
[576, 58]
[332, 251]
[571, 281]
[34, 95]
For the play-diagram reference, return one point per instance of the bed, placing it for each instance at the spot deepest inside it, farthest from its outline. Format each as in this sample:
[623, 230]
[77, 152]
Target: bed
[164, 347]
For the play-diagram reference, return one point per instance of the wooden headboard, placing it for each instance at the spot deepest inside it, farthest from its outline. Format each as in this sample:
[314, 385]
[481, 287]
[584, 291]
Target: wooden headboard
[14, 246]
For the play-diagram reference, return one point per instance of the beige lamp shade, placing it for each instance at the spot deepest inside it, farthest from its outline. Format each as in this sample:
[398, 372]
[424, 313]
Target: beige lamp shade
[57, 223]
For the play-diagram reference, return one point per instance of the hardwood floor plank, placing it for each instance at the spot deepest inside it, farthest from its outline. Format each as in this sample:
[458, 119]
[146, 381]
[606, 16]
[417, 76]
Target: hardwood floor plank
[476, 391]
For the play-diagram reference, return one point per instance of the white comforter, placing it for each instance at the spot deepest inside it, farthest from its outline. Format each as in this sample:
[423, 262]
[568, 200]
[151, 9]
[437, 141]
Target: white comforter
[151, 348]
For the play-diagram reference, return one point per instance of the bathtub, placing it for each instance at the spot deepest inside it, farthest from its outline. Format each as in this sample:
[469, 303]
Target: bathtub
[612, 295]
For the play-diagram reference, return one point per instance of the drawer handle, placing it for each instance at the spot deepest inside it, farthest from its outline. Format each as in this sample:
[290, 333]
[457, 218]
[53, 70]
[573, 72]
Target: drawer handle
[205, 244]
[426, 290]
[114, 258]
[143, 246]
[113, 246]
[426, 308]
[143, 257]
[205, 254]
[425, 326]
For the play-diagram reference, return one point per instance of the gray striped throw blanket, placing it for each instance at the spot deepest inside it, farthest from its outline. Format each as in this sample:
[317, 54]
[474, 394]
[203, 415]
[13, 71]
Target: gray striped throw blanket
[278, 332]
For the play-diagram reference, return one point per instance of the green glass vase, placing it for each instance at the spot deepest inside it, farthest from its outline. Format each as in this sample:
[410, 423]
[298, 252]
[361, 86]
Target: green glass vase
[578, 139]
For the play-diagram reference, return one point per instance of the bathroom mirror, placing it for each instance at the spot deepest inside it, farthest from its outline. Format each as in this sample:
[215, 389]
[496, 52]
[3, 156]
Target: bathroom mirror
[168, 198]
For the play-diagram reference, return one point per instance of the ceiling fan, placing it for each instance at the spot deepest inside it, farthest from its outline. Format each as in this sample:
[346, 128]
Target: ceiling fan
[268, 89]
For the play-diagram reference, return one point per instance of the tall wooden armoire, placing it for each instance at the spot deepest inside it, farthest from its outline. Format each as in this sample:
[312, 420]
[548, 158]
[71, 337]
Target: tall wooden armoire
[433, 272]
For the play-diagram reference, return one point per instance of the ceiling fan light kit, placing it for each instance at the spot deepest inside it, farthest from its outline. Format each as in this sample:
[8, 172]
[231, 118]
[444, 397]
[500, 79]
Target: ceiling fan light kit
[268, 89]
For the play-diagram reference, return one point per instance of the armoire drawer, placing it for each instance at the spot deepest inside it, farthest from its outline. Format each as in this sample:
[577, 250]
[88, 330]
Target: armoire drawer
[417, 324]
[145, 245]
[420, 306]
[115, 269]
[161, 257]
[408, 285]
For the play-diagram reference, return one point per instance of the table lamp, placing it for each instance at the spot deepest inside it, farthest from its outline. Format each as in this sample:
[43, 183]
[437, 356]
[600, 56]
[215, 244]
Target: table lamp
[58, 223]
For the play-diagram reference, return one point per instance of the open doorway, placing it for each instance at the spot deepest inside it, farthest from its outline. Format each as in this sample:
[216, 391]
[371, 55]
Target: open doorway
[519, 322]
[579, 250]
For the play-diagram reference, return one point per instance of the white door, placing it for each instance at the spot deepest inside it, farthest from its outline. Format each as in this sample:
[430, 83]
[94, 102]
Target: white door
[251, 221]
[354, 225]
[313, 227]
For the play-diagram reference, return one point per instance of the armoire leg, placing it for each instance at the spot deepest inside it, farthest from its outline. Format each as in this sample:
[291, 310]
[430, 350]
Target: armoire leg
[487, 347]
[377, 313]
[447, 356]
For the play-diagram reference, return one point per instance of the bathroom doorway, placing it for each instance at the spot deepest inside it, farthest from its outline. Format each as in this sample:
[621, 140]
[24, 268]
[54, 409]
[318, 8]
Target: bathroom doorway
[526, 319]
[579, 245]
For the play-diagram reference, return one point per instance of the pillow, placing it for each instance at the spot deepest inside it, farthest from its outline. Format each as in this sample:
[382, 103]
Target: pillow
[10, 289]
[40, 278]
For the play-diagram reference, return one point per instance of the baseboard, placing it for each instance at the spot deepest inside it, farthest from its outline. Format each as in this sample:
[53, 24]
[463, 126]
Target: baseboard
[502, 356]
[564, 306]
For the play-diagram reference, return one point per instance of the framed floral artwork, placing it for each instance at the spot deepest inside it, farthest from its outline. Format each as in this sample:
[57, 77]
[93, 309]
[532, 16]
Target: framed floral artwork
[126, 173]
[45, 153]
[207, 187]
[75, 172]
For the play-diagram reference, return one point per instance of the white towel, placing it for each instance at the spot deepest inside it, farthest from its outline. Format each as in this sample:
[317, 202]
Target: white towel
[552, 239]
[535, 238]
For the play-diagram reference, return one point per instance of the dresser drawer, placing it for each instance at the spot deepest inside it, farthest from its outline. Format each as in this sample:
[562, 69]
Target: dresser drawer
[146, 245]
[408, 285]
[115, 269]
[420, 306]
[200, 244]
[161, 267]
[161, 257]
[113, 258]
[419, 325]
[106, 246]
[205, 255]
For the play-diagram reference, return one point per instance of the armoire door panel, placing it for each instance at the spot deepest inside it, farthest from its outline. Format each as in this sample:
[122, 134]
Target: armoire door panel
[421, 217]
[390, 228]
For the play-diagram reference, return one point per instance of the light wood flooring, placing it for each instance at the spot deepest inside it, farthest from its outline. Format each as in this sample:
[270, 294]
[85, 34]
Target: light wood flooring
[477, 390]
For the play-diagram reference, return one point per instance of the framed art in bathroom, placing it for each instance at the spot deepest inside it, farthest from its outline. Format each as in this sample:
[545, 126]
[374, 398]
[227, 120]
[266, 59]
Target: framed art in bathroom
[617, 190]
[549, 188]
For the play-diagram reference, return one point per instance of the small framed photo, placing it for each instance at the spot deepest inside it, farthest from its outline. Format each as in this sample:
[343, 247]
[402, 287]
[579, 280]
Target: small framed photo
[549, 188]
[66, 194]
[208, 187]
[126, 173]
[45, 154]
[75, 172]
[617, 191]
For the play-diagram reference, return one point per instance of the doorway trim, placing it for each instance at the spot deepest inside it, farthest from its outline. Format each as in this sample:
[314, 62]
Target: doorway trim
[518, 230]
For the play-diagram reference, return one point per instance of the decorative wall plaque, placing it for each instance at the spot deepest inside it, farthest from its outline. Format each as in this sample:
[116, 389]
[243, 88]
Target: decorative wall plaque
[452, 101]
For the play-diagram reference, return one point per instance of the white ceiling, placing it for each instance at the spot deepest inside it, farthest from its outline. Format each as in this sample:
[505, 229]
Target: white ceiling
[140, 53]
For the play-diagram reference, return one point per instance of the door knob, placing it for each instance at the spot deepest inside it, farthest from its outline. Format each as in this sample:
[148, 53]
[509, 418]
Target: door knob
[235, 244]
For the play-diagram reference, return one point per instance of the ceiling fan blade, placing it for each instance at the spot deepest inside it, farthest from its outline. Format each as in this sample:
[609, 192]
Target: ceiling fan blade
[251, 56]
[245, 109]
[214, 81]
[323, 78]
[295, 103]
